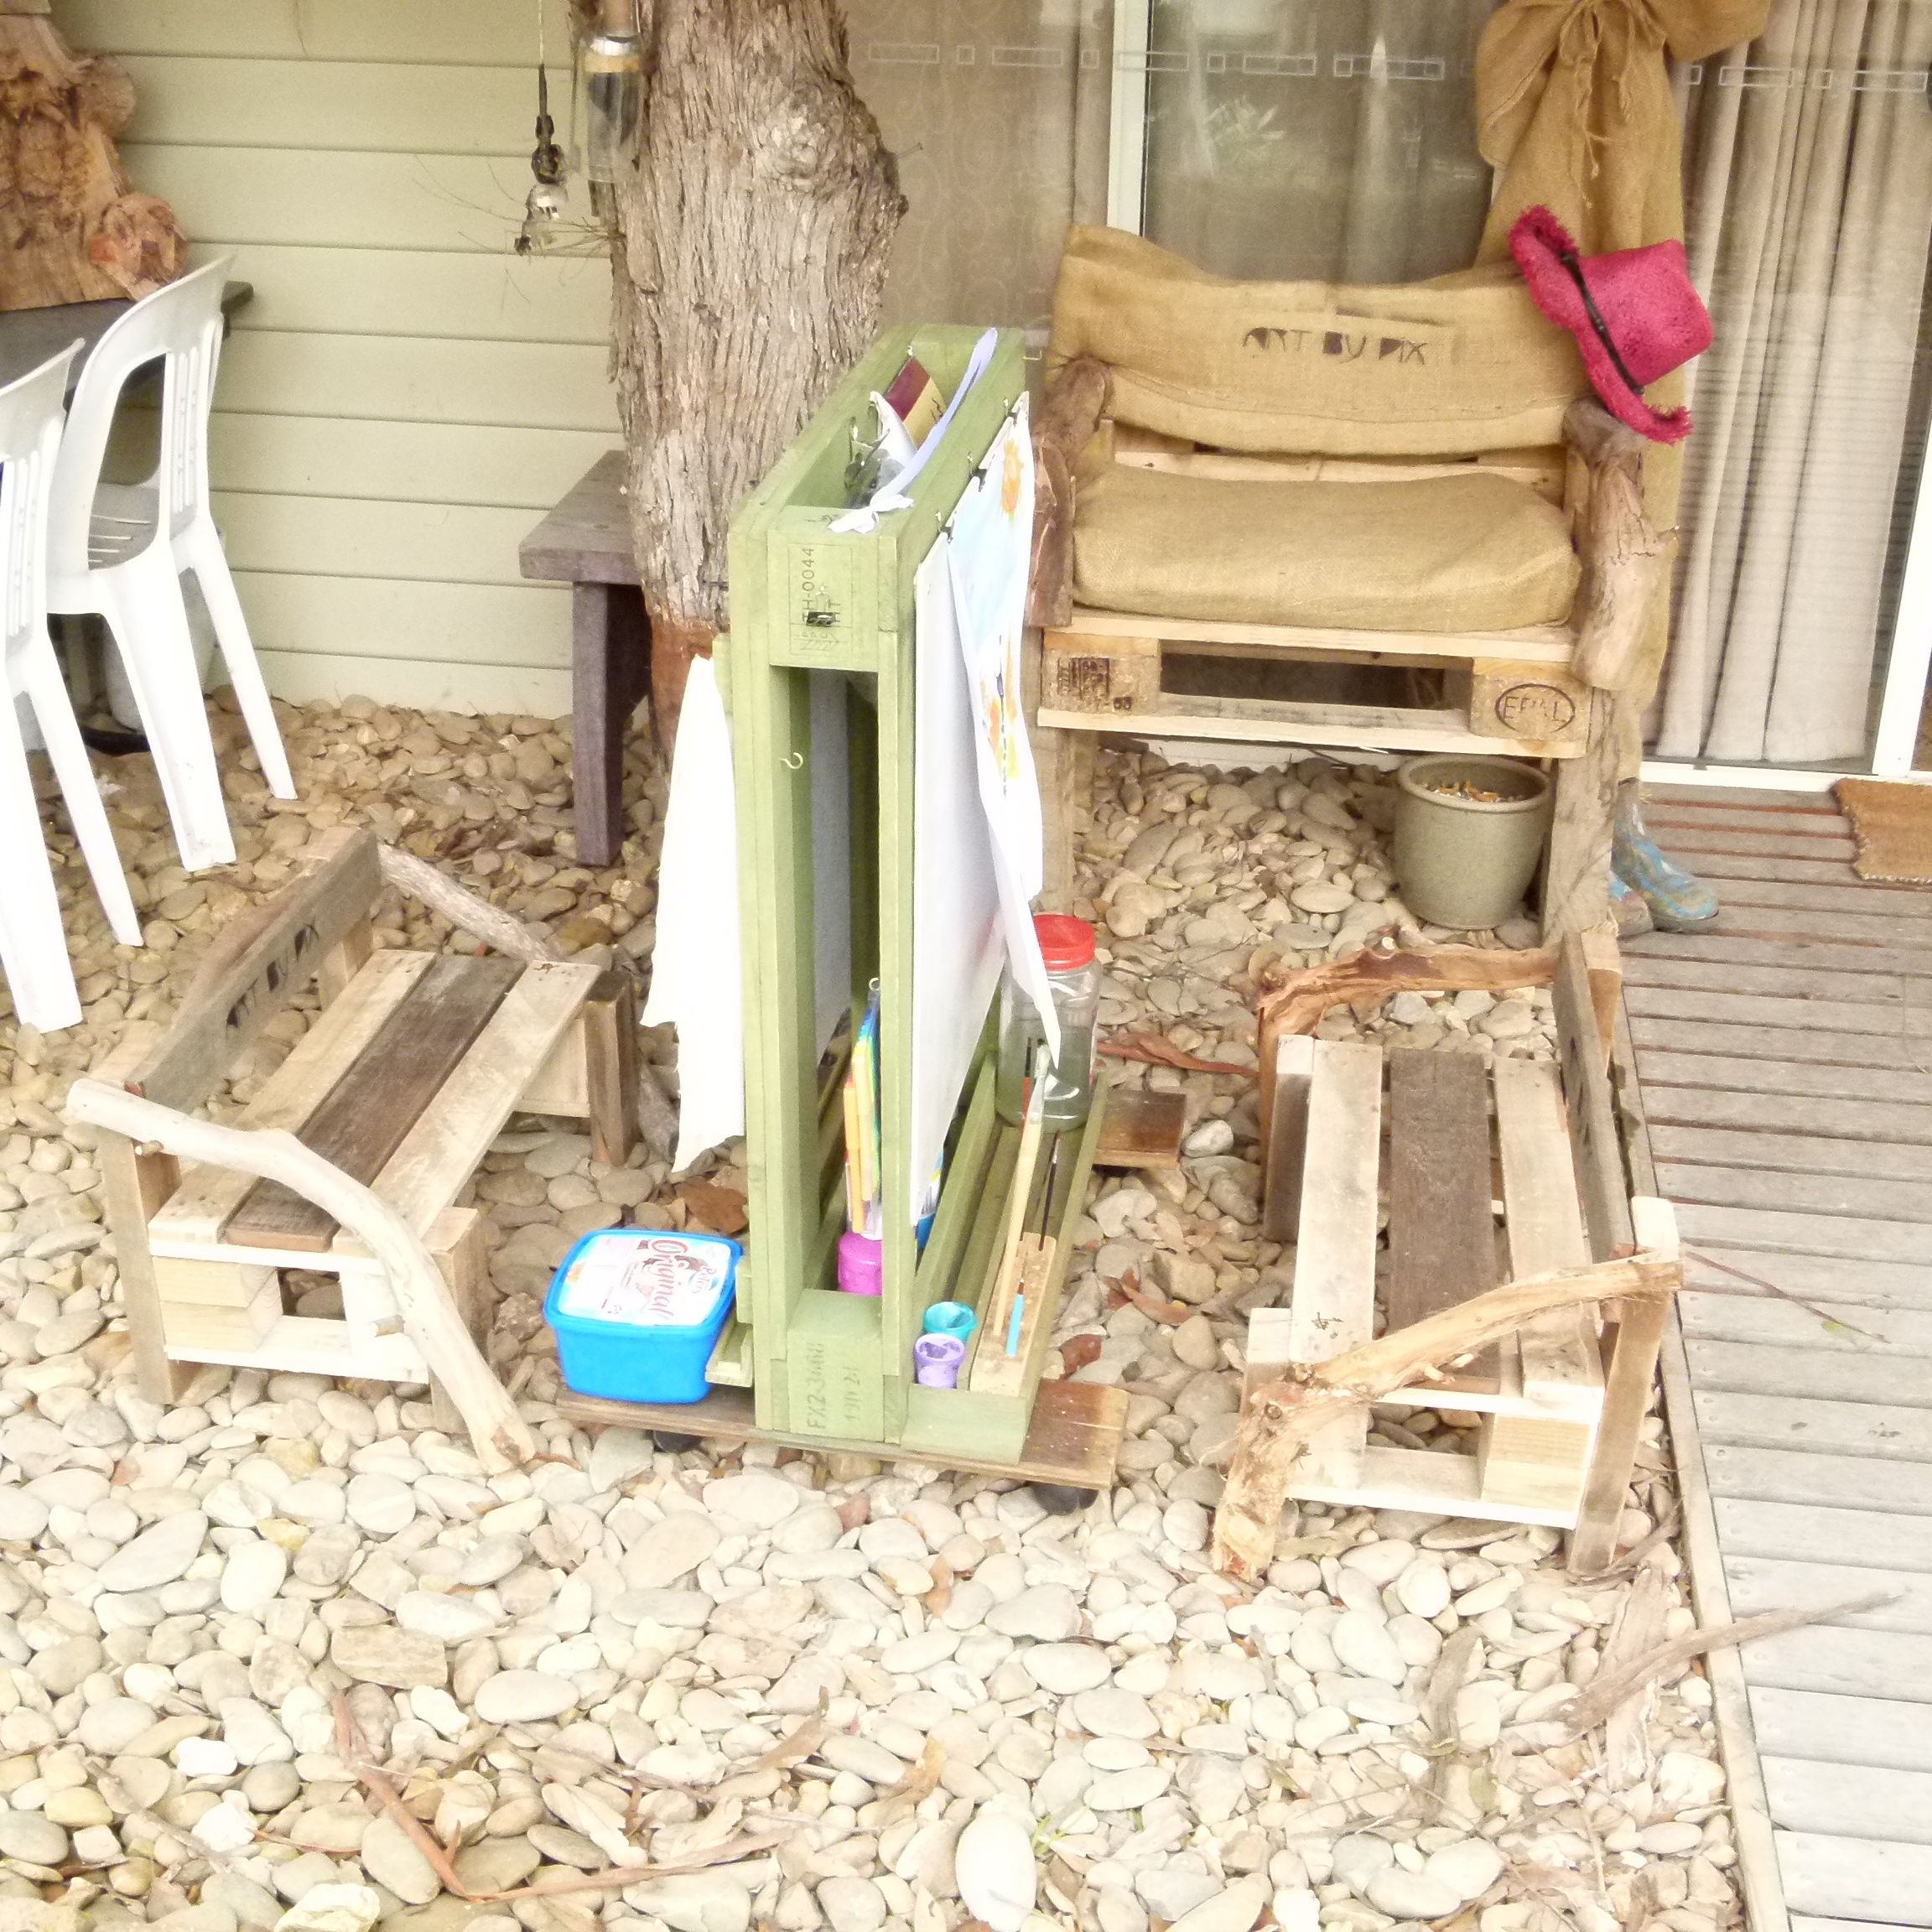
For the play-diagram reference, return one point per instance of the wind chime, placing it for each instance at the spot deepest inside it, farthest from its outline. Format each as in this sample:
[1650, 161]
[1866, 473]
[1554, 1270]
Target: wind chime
[610, 62]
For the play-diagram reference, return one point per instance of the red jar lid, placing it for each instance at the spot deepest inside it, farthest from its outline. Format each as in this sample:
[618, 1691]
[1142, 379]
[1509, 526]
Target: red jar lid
[1066, 944]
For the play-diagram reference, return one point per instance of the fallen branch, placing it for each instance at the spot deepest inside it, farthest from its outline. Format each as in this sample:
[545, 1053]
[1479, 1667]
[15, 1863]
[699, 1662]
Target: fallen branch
[1281, 1418]
[501, 1438]
[1153, 1051]
[502, 932]
[1591, 1706]
[352, 1748]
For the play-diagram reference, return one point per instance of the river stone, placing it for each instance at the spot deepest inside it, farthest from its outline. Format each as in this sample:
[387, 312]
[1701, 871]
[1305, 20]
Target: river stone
[379, 1654]
[524, 1697]
[1322, 896]
[1404, 1894]
[158, 1556]
[22, 1517]
[1233, 1910]
[852, 1904]
[1066, 1669]
[999, 1878]
[328, 1907]
[671, 1549]
[694, 1901]
[1469, 1867]
[390, 1856]
[252, 1574]
[1049, 1611]
[382, 1505]
[1108, 1712]
[31, 1838]
[1363, 1645]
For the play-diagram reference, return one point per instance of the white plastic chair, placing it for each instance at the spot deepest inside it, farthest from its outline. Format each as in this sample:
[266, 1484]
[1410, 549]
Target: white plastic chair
[33, 945]
[120, 552]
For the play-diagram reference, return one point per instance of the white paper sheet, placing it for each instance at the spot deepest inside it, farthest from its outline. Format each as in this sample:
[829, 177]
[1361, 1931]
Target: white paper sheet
[958, 942]
[831, 854]
[696, 976]
[991, 535]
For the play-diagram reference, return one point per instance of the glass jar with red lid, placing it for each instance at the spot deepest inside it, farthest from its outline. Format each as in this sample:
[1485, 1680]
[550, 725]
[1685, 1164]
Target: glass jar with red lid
[1066, 946]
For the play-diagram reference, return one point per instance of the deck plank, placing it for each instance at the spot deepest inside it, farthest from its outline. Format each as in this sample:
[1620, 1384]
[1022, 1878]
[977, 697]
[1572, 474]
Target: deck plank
[1839, 1195]
[1829, 1327]
[1782, 949]
[1844, 1800]
[1796, 981]
[1716, 1266]
[1867, 1375]
[1792, 1532]
[1747, 1040]
[1845, 1236]
[1880, 1430]
[1894, 1020]
[1818, 1479]
[1788, 1151]
[1883, 1732]
[1859, 1878]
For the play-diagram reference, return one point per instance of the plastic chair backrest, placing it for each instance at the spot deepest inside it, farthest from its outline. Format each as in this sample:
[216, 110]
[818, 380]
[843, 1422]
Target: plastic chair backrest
[180, 326]
[31, 412]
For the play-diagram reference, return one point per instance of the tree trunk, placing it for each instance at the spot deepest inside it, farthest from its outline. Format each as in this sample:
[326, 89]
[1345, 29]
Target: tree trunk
[748, 270]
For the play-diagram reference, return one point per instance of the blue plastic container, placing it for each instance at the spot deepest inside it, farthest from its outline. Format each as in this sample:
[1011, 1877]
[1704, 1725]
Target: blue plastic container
[637, 1311]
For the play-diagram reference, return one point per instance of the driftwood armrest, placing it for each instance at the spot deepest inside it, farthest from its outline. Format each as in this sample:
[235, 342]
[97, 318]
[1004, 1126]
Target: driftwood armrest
[1625, 558]
[1075, 401]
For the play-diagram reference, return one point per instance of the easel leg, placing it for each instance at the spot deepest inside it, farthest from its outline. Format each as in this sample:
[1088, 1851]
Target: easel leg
[1577, 874]
[609, 1031]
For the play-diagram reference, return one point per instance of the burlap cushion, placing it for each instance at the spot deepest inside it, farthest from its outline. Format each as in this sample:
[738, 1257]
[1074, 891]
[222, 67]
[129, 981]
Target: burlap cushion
[1475, 553]
[1452, 367]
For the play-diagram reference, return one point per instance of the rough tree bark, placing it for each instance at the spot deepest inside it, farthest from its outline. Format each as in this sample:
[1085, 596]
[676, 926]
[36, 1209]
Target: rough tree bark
[750, 264]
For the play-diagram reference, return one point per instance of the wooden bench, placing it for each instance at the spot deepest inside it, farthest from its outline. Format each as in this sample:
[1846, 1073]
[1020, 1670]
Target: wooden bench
[400, 1085]
[1538, 1142]
[585, 541]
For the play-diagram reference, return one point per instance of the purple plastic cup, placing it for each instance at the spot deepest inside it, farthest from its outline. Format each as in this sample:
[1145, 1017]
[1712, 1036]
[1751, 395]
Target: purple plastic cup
[938, 1359]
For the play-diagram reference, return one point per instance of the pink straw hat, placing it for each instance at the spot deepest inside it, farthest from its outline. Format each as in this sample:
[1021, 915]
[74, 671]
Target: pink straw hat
[1634, 314]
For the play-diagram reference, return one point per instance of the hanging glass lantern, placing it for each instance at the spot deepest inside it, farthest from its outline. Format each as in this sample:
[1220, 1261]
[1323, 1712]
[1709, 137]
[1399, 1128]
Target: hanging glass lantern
[546, 209]
[613, 64]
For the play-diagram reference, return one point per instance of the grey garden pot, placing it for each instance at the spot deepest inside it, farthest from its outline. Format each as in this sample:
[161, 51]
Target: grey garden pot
[1466, 862]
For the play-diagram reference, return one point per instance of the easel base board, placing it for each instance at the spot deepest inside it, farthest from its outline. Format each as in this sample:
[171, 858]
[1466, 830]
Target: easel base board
[1430, 1480]
[1073, 1436]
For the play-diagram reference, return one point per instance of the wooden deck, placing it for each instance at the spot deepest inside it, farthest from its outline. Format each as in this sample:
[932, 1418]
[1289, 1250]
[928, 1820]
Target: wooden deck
[1785, 1060]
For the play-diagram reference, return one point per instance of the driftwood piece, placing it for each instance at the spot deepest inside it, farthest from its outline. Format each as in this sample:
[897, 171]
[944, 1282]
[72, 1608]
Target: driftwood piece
[1281, 1417]
[1075, 401]
[497, 929]
[72, 228]
[430, 1316]
[1296, 1004]
[1625, 556]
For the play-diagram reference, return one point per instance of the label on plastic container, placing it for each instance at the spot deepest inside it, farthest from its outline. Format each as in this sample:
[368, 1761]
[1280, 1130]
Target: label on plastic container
[646, 1281]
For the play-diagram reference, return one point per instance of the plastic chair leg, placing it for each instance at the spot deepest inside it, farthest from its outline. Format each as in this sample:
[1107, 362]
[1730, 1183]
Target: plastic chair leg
[47, 692]
[142, 602]
[33, 941]
[200, 550]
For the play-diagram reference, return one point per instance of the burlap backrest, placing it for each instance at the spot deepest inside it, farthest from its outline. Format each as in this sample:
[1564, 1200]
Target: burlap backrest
[1450, 367]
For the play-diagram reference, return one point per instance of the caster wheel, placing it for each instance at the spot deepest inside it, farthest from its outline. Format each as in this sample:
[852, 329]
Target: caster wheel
[671, 1442]
[1061, 1499]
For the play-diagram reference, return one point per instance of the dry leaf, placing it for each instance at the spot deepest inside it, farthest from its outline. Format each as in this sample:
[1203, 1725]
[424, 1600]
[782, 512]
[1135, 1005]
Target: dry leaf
[921, 1781]
[1156, 1051]
[719, 1209]
[1173, 1313]
[1077, 1351]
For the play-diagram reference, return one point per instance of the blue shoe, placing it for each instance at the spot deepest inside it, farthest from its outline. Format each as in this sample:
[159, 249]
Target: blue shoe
[1628, 909]
[1678, 901]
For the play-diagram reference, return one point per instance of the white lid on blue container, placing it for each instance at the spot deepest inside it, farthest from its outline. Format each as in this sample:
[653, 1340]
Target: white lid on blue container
[645, 1278]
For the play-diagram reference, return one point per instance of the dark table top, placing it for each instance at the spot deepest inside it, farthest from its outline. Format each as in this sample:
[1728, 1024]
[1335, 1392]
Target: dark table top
[586, 539]
[28, 336]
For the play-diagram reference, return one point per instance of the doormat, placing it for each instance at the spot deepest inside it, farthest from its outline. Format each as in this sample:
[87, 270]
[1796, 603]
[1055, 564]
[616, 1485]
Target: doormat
[1893, 826]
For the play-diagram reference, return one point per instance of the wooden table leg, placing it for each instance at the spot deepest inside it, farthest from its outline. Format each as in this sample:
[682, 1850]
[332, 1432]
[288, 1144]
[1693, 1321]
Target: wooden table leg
[610, 671]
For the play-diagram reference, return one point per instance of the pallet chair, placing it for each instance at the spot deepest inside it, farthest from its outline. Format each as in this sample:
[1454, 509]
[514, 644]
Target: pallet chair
[1300, 473]
[352, 1157]
[1560, 1406]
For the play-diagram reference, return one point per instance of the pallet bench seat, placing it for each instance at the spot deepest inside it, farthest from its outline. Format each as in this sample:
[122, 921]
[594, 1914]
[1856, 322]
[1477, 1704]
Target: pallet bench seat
[407, 1074]
[1490, 1175]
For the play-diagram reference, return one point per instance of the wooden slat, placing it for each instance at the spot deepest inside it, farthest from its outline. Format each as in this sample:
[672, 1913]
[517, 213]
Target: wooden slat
[1803, 1532]
[1745, 1041]
[1789, 1154]
[1865, 1374]
[1844, 1125]
[444, 1146]
[1882, 1430]
[1442, 1230]
[209, 1196]
[1845, 1799]
[1816, 1278]
[1735, 1007]
[1661, 1068]
[1804, 1922]
[1781, 921]
[1848, 1237]
[1833, 1194]
[1744, 811]
[375, 1105]
[1543, 1218]
[1822, 1478]
[1595, 1141]
[1287, 1140]
[1844, 1662]
[1782, 845]
[1857, 1878]
[1791, 982]
[1791, 950]
[1835, 1327]
[1759, 1585]
[1333, 1307]
[1909, 907]
[1882, 1732]
[1715, 865]
[1538, 644]
[1426, 1480]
